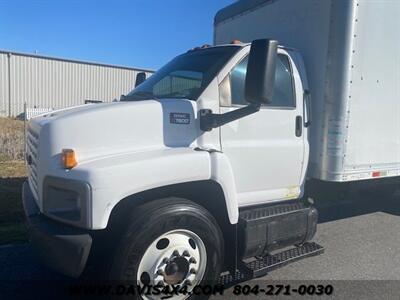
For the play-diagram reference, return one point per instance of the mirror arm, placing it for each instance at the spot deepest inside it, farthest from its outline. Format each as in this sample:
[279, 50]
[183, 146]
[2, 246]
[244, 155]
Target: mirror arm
[209, 120]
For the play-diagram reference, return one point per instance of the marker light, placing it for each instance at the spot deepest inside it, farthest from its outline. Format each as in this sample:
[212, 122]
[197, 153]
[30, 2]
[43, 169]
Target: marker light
[68, 158]
[376, 174]
[236, 42]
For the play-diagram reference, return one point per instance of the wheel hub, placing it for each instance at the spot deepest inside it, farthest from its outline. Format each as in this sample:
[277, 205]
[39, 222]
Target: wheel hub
[177, 257]
[176, 270]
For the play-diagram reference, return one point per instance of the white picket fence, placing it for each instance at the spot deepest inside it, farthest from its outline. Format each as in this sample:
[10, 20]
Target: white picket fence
[34, 112]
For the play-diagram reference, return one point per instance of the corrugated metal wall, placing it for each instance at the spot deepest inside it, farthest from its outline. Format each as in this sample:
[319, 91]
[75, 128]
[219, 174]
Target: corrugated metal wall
[172, 84]
[57, 83]
[4, 84]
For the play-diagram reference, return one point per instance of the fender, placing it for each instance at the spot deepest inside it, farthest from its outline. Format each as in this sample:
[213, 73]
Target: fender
[221, 172]
[117, 177]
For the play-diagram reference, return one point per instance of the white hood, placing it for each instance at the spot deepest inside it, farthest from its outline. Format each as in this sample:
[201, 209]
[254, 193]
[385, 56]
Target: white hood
[99, 130]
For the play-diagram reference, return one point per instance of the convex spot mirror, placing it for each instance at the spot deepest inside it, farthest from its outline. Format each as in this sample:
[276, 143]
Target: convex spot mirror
[140, 78]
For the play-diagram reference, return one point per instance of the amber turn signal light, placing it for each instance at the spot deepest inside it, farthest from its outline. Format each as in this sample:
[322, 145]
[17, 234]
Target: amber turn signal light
[68, 158]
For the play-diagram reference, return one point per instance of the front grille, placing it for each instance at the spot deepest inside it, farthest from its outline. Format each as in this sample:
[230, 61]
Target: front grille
[32, 146]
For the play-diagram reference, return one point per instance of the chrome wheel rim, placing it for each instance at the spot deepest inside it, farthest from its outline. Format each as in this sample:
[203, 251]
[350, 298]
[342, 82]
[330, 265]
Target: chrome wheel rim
[177, 257]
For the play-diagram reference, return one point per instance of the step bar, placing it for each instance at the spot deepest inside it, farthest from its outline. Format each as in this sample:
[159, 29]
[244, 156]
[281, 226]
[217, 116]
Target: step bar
[262, 266]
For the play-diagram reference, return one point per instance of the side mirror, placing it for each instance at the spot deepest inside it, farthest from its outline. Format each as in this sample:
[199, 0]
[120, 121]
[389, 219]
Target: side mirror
[259, 85]
[140, 78]
[260, 76]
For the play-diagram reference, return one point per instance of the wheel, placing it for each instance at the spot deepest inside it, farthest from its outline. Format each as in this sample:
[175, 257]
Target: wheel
[170, 241]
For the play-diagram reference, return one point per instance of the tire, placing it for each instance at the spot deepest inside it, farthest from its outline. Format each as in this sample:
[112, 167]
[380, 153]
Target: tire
[174, 220]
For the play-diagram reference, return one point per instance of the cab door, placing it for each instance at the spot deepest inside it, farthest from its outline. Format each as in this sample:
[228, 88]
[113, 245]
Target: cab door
[266, 149]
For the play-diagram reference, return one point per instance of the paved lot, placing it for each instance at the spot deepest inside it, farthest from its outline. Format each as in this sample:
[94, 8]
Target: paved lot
[361, 243]
[357, 248]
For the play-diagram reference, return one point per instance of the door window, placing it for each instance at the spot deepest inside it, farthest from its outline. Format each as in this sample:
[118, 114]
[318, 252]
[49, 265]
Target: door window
[283, 90]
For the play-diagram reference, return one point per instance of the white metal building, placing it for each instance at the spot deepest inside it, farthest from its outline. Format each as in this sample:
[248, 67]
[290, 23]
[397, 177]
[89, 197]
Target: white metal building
[50, 82]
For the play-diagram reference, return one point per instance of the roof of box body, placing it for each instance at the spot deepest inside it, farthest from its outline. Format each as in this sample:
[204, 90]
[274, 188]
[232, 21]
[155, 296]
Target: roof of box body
[238, 7]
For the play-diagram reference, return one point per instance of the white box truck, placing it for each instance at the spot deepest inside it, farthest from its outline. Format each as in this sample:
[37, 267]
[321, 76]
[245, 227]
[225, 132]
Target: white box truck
[203, 166]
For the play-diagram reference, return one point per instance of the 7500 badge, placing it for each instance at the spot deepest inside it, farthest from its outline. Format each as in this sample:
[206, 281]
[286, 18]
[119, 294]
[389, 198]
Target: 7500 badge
[179, 118]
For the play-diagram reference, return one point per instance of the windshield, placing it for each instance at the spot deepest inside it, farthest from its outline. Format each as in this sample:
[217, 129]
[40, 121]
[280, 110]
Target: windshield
[186, 76]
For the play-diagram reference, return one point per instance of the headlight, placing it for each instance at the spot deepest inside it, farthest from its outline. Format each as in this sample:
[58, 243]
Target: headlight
[67, 200]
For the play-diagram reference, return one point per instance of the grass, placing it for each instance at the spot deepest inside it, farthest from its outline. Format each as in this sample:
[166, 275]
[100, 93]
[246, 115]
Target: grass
[12, 228]
[11, 139]
[12, 175]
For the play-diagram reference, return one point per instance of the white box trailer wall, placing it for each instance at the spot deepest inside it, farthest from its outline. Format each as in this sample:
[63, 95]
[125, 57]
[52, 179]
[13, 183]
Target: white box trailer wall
[351, 52]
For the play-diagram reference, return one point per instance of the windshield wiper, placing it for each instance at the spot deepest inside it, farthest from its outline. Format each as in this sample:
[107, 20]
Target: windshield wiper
[175, 94]
[139, 95]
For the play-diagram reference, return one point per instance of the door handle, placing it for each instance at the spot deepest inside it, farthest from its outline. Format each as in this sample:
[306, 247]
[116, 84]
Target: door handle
[299, 125]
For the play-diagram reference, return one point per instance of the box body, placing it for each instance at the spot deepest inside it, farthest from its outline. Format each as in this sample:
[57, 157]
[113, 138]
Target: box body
[351, 51]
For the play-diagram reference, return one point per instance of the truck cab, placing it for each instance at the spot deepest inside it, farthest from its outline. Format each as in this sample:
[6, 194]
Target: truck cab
[199, 167]
[271, 141]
